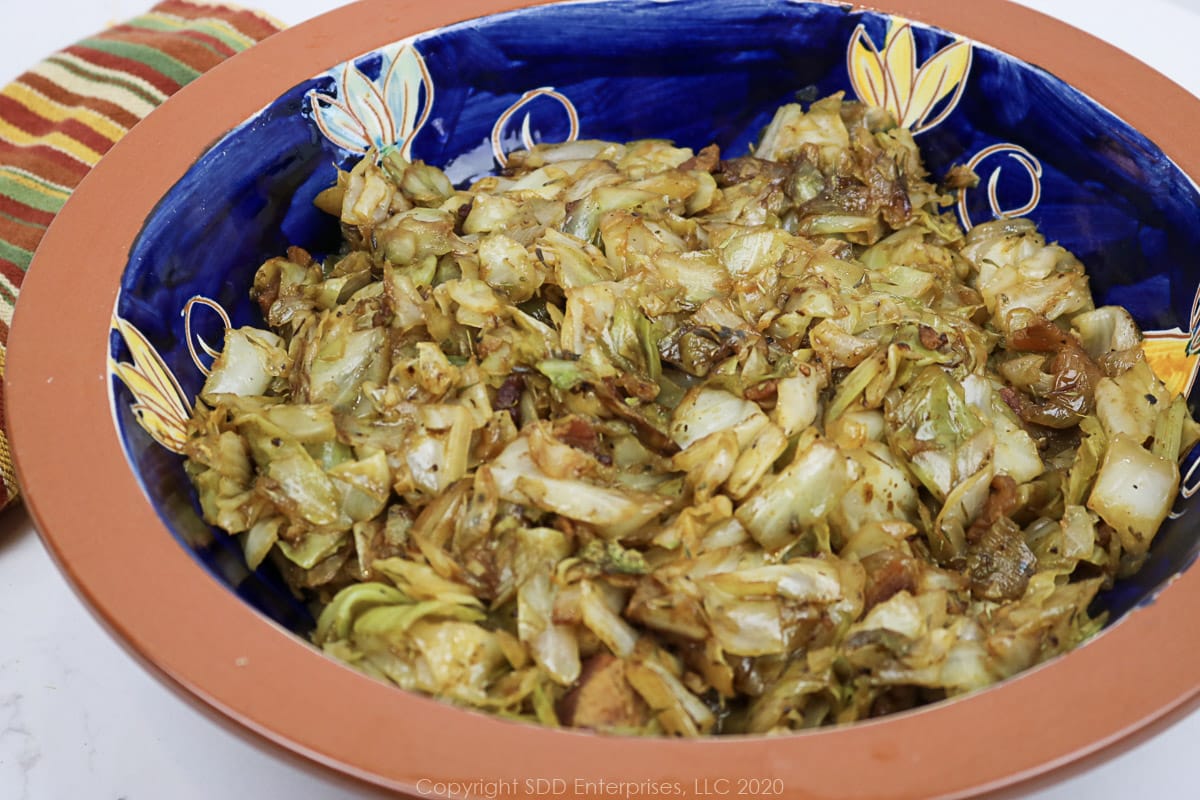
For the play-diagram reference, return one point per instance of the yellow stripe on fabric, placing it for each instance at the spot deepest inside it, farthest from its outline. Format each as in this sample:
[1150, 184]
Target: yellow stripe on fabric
[78, 84]
[54, 111]
[55, 139]
[28, 193]
[55, 194]
[102, 78]
[271, 20]
[218, 29]
[99, 80]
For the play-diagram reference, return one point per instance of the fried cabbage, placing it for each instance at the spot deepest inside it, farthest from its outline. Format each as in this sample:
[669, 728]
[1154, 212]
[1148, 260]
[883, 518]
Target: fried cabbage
[643, 440]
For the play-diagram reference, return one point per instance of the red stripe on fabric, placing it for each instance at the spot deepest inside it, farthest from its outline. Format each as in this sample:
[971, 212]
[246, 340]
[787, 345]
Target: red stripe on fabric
[209, 40]
[174, 45]
[52, 165]
[162, 39]
[53, 91]
[34, 216]
[28, 120]
[24, 236]
[13, 273]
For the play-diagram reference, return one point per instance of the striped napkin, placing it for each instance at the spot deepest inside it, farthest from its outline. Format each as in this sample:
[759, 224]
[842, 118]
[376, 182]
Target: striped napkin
[60, 117]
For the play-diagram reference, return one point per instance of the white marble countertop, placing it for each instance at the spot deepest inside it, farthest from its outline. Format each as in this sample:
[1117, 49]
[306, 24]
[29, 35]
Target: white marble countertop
[80, 719]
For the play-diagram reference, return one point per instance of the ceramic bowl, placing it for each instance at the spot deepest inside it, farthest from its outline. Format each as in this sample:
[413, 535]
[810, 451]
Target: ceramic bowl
[107, 355]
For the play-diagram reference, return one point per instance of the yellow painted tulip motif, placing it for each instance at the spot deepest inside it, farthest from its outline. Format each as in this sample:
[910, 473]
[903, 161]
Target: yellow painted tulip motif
[1174, 355]
[922, 96]
[160, 406]
[1173, 359]
[919, 97]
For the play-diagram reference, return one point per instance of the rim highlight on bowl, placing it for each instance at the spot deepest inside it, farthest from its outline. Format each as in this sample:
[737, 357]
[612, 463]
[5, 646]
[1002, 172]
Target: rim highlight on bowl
[104, 492]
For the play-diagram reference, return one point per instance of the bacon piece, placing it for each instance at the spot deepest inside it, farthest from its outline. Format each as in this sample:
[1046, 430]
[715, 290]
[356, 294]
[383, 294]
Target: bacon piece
[603, 699]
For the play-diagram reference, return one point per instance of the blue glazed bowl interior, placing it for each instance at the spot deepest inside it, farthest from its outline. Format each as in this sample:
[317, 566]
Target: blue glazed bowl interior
[692, 71]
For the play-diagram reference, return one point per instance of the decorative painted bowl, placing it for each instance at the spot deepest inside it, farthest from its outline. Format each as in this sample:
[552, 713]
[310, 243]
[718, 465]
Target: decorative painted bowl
[153, 256]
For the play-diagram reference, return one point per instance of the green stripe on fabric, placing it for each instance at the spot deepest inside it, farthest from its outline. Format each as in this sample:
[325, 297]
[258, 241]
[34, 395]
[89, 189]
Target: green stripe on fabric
[18, 188]
[159, 27]
[101, 78]
[18, 255]
[7, 297]
[152, 57]
[218, 32]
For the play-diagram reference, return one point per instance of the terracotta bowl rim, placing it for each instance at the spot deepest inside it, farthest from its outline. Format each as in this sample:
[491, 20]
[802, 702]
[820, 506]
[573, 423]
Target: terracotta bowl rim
[110, 543]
